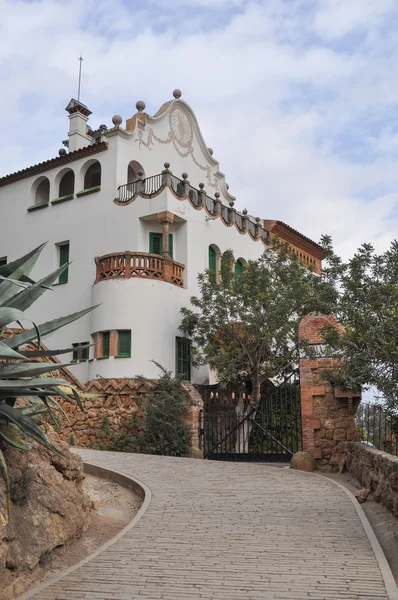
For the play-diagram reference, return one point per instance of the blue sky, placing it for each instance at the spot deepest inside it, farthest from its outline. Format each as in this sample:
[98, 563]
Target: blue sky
[298, 98]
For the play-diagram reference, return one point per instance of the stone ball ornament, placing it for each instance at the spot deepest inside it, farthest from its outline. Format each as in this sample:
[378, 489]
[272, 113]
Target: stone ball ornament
[177, 93]
[140, 106]
[117, 120]
[62, 152]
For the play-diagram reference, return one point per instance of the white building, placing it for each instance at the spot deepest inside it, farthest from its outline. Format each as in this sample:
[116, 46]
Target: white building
[137, 232]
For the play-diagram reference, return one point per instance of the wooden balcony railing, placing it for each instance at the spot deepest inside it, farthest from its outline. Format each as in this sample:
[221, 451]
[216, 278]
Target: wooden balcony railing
[123, 265]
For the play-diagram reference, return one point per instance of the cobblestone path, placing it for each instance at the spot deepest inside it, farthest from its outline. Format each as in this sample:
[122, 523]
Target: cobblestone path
[216, 531]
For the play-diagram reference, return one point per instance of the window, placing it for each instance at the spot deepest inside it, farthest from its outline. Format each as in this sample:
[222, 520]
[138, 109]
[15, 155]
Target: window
[132, 171]
[67, 184]
[92, 177]
[63, 259]
[124, 344]
[81, 354]
[3, 261]
[105, 344]
[238, 268]
[183, 358]
[212, 260]
[42, 195]
[156, 243]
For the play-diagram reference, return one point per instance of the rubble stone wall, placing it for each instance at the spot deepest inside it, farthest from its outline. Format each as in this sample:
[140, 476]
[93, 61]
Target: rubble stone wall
[375, 470]
[116, 403]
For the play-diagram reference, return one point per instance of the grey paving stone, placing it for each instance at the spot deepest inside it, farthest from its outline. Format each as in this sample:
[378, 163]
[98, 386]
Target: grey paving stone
[229, 531]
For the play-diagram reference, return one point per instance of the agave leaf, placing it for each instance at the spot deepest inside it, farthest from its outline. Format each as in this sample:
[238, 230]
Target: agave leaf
[77, 398]
[50, 412]
[12, 442]
[4, 473]
[68, 397]
[59, 407]
[16, 270]
[15, 371]
[15, 265]
[28, 336]
[7, 352]
[32, 383]
[24, 299]
[17, 282]
[27, 426]
[41, 353]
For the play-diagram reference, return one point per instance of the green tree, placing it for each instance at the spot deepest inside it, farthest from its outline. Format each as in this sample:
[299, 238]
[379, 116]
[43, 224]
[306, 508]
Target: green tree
[367, 308]
[247, 324]
[23, 374]
[165, 430]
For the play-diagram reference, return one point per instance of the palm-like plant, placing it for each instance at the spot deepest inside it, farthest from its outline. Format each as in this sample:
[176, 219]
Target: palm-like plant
[23, 374]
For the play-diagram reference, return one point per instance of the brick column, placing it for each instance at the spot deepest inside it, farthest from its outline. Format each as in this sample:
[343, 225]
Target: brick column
[327, 414]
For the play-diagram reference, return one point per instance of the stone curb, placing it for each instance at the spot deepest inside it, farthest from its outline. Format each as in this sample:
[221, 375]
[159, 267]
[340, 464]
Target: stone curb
[389, 581]
[129, 482]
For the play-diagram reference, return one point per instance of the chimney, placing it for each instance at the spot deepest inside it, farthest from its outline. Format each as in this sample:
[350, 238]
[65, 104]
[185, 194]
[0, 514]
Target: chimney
[78, 117]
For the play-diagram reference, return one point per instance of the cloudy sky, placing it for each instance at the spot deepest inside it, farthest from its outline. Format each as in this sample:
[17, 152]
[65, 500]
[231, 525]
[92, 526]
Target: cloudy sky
[298, 98]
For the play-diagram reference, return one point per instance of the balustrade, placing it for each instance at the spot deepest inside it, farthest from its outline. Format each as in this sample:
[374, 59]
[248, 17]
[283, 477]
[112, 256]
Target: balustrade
[124, 265]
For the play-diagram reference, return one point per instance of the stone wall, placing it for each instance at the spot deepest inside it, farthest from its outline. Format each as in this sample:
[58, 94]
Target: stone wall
[115, 403]
[375, 470]
[328, 414]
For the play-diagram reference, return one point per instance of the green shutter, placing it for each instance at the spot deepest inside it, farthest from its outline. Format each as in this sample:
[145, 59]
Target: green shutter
[155, 243]
[183, 358]
[84, 352]
[124, 344]
[238, 268]
[105, 344]
[75, 352]
[212, 260]
[63, 258]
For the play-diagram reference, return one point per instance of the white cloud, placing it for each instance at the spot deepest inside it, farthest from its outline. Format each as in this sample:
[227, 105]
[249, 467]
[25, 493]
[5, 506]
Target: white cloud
[304, 128]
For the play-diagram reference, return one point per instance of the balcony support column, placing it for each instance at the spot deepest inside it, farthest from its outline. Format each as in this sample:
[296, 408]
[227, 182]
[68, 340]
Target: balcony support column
[166, 219]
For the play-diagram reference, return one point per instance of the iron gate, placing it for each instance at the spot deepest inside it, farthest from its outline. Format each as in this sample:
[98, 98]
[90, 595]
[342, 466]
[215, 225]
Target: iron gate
[270, 432]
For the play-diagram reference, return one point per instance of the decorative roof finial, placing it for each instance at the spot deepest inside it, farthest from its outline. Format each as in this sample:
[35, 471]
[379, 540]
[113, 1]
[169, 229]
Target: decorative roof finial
[140, 106]
[80, 59]
[177, 93]
[117, 120]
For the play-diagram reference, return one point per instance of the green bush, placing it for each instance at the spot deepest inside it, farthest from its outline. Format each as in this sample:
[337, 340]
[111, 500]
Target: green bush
[162, 429]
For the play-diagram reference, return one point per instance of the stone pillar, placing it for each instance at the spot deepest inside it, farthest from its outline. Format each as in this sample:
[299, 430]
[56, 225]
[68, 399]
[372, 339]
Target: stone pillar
[327, 414]
[196, 403]
[166, 218]
[166, 175]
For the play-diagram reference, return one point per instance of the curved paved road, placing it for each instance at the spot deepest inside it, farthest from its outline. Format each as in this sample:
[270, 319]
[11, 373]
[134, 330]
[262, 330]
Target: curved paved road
[216, 531]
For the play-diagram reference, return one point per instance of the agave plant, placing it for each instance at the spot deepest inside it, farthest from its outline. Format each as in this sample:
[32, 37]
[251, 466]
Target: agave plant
[23, 374]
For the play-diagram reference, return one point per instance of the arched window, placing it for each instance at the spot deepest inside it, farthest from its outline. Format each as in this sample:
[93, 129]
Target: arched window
[132, 171]
[238, 267]
[92, 177]
[212, 260]
[67, 184]
[42, 195]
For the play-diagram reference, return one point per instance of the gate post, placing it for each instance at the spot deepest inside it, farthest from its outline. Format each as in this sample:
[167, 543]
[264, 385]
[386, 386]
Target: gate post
[327, 414]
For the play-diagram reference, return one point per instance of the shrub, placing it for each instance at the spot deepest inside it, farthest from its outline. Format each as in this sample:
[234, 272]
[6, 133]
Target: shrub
[165, 430]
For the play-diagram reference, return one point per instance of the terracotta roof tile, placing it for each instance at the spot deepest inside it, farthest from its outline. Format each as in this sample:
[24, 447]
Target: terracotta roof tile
[53, 162]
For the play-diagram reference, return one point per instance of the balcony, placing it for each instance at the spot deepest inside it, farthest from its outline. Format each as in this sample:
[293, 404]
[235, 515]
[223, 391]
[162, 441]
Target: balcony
[125, 265]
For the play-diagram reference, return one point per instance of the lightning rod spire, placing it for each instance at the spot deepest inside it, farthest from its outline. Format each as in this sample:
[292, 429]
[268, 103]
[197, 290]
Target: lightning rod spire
[80, 76]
